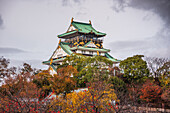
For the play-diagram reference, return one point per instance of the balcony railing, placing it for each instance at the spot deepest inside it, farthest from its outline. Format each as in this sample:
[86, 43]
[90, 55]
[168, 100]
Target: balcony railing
[82, 40]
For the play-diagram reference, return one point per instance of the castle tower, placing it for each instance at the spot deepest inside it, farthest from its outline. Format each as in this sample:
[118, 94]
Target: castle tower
[80, 38]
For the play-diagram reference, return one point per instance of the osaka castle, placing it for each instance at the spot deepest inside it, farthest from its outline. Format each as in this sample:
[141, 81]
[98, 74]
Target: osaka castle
[81, 38]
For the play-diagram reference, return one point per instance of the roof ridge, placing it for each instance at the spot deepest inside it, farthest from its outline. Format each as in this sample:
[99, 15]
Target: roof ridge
[81, 22]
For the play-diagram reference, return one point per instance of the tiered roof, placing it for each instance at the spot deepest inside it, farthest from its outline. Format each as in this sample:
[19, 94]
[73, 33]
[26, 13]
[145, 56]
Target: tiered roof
[85, 28]
[68, 50]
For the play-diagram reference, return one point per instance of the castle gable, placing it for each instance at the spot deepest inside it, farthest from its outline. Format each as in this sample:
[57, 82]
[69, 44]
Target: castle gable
[59, 53]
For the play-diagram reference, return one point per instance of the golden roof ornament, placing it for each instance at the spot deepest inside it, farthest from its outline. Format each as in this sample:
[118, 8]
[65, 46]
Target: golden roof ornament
[72, 19]
[51, 61]
[89, 21]
[59, 41]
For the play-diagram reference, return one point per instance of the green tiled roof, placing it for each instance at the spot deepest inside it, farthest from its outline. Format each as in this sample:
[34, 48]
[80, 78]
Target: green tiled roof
[83, 28]
[92, 49]
[53, 68]
[66, 48]
[55, 60]
[111, 58]
[86, 28]
[68, 33]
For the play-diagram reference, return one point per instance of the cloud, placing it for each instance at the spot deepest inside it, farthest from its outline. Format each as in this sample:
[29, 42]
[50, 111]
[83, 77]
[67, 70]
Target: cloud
[17, 57]
[10, 50]
[120, 5]
[153, 47]
[160, 7]
[127, 45]
[81, 13]
[70, 2]
[34, 63]
[1, 22]
[161, 41]
[124, 49]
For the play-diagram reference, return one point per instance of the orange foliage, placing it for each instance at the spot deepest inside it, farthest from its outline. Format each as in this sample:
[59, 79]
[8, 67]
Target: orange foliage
[150, 92]
[63, 82]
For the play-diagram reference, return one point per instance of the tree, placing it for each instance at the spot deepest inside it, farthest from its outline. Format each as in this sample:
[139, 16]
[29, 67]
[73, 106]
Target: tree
[118, 85]
[135, 69]
[89, 68]
[166, 97]
[20, 94]
[157, 66]
[159, 70]
[164, 78]
[5, 71]
[63, 82]
[97, 98]
[42, 82]
[151, 93]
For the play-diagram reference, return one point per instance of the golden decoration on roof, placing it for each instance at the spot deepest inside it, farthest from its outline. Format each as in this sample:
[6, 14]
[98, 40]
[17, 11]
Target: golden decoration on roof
[97, 53]
[59, 41]
[51, 61]
[72, 19]
[82, 43]
[89, 21]
[75, 43]
[98, 45]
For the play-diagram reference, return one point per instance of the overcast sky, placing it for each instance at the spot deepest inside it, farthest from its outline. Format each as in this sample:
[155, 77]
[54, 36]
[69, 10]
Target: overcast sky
[29, 28]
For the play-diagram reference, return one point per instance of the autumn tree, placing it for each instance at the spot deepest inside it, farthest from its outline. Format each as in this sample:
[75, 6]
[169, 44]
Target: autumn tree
[159, 69]
[89, 68]
[99, 97]
[5, 70]
[166, 98]
[151, 93]
[164, 78]
[20, 94]
[63, 81]
[42, 82]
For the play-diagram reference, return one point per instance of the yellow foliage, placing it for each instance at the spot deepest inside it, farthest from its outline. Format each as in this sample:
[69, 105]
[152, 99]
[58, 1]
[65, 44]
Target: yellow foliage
[88, 101]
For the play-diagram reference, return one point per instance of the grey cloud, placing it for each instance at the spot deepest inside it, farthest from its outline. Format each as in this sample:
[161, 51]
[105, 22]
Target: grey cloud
[65, 2]
[124, 49]
[34, 63]
[155, 46]
[81, 13]
[69, 2]
[119, 5]
[128, 45]
[160, 7]
[10, 50]
[161, 41]
[1, 21]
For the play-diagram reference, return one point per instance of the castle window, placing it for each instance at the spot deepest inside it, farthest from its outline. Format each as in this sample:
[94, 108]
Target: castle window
[83, 52]
[91, 52]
